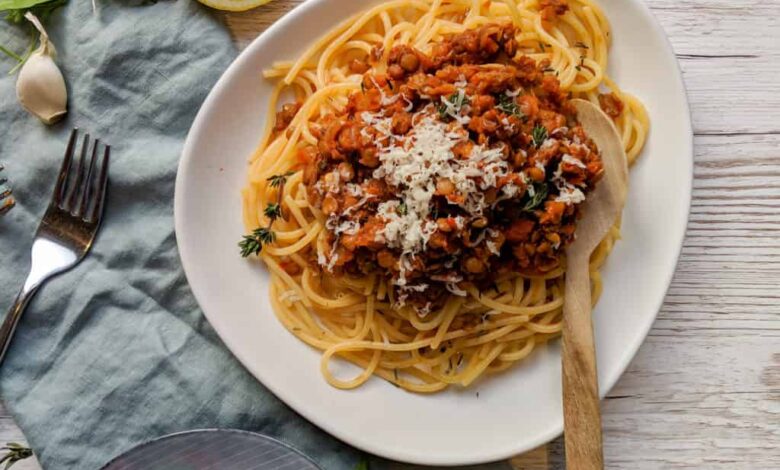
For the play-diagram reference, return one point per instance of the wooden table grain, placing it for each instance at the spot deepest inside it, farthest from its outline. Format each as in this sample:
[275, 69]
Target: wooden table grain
[704, 390]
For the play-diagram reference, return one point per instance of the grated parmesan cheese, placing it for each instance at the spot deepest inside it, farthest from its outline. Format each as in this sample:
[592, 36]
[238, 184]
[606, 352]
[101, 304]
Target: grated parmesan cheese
[425, 310]
[491, 245]
[453, 111]
[453, 288]
[383, 125]
[416, 288]
[569, 194]
[386, 101]
[573, 161]
[513, 94]
[334, 258]
[415, 166]
[354, 189]
[409, 105]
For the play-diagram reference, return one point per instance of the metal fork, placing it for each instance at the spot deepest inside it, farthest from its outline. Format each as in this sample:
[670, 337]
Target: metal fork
[68, 228]
[6, 201]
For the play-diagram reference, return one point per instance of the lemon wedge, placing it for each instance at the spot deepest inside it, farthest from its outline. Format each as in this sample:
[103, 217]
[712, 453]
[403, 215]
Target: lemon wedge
[234, 5]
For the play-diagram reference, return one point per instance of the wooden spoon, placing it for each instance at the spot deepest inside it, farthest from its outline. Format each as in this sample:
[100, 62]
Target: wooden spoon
[581, 414]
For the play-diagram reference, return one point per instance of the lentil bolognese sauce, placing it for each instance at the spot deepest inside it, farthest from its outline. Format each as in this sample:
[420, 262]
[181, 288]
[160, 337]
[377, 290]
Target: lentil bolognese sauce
[414, 203]
[451, 170]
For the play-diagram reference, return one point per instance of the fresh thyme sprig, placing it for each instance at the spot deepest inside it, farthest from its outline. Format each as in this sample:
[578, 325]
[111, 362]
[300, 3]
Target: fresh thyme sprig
[273, 211]
[508, 105]
[278, 180]
[539, 135]
[253, 243]
[458, 101]
[16, 452]
[540, 191]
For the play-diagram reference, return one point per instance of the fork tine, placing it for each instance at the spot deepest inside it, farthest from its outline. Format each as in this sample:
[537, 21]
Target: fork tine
[86, 192]
[3, 180]
[5, 194]
[62, 178]
[76, 187]
[102, 184]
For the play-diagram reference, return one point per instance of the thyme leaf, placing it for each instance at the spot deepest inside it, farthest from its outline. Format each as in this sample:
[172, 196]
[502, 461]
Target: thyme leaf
[278, 180]
[253, 244]
[540, 195]
[539, 135]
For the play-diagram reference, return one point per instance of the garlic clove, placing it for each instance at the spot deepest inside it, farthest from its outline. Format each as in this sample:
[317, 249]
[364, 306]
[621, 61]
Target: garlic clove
[40, 87]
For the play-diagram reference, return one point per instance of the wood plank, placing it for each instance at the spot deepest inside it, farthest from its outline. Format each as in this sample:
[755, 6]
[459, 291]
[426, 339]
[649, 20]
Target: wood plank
[729, 56]
[246, 26]
[704, 390]
[714, 406]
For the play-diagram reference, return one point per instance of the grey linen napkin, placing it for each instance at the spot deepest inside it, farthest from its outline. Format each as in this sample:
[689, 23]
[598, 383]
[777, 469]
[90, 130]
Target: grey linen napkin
[116, 351]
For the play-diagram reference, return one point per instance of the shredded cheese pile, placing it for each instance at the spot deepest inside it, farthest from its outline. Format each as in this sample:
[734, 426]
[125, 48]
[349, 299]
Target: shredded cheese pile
[414, 165]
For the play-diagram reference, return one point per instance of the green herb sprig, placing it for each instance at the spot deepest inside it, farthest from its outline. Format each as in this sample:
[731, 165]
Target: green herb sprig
[253, 243]
[508, 105]
[16, 452]
[273, 211]
[458, 100]
[15, 9]
[539, 135]
[362, 465]
[540, 195]
[278, 180]
[14, 13]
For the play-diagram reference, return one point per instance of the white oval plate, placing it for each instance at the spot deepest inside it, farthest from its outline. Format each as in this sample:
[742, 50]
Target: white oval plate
[503, 415]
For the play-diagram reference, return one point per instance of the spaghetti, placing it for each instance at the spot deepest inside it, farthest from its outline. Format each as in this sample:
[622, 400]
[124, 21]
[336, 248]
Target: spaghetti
[377, 309]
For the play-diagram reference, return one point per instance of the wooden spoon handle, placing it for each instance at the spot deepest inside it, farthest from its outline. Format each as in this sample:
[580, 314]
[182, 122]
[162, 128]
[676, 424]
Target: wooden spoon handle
[581, 414]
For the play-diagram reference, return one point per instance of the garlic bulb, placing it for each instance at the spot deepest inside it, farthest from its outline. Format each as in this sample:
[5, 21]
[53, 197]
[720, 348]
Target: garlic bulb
[40, 86]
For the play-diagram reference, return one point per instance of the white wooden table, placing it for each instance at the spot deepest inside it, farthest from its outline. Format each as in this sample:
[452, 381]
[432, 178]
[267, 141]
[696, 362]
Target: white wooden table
[704, 390]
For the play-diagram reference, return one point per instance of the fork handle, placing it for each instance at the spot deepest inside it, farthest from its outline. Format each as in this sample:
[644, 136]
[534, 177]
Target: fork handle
[12, 319]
